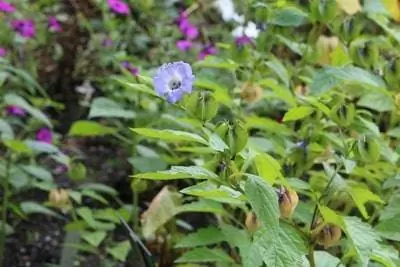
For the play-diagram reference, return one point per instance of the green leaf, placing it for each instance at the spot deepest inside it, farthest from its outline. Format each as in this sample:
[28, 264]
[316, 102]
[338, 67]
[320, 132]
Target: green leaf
[102, 188]
[263, 200]
[17, 146]
[94, 238]
[324, 259]
[90, 128]
[298, 113]
[390, 228]
[9, 230]
[92, 194]
[141, 88]
[330, 77]
[38, 172]
[203, 237]
[268, 125]
[221, 94]
[362, 236]
[120, 250]
[279, 69]
[6, 130]
[87, 215]
[202, 255]
[267, 167]
[170, 135]
[362, 195]
[288, 17]
[216, 143]
[280, 247]
[43, 147]
[376, 101]
[104, 107]
[216, 63]
[179, 172]
[144, 164]
[214, 192]
[13, 99]
[29, 207]
[203, 205]
[281, 92]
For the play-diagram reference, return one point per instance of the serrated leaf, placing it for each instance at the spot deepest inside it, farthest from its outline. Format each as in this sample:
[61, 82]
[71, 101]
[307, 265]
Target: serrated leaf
[105, 107]
[298, 113]
[179, 172]
[362, 236]
[263, 199]
[203, 237]
[201, 255]
[90, 128]
[324, 259]
[331, 77]
[390, 228]
[170, 135]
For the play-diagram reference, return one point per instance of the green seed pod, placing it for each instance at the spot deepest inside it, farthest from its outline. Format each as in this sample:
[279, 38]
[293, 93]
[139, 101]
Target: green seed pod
[192, 103]
[368, 149]
[373, 54]
[138, 185]
[343, 114]
[222, 129]
[208, 106]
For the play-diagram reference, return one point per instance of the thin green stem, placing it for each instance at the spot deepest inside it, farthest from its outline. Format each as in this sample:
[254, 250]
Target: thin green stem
[4, 211]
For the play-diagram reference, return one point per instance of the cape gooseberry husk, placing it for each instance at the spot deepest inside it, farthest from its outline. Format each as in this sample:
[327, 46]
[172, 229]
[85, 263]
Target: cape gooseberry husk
[251, 93]
[252, 223]
[58, 197]
[329, 236]
[288, 200]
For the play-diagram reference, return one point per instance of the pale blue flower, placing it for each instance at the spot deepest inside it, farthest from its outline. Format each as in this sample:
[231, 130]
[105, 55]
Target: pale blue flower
[173, 81]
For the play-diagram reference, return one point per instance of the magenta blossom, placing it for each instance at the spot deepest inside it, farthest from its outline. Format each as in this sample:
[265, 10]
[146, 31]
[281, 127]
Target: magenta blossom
[3, 52]
[184, 45]
[128, 66]
[119, 7]
[54, 24]
[207, 50]
[6, 7]
[60, 169]
[243, 40]
[14, 110]
[187, 28]
[107, 42]
[25, 27]
[44, 135]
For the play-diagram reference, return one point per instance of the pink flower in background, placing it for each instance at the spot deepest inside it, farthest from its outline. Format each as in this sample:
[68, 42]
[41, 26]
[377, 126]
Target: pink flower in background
[61, 168]
[184, 45]
[25, 27]
[119, 7]
[107, 42]
[187, 28]
[14, 110]
[6, 7]
[207, 50]
[44, 135]
[54, 24]
[128, 66]
[3, 52]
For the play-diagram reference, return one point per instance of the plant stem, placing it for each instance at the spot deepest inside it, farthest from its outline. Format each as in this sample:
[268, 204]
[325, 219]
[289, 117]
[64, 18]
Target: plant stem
[4, 211]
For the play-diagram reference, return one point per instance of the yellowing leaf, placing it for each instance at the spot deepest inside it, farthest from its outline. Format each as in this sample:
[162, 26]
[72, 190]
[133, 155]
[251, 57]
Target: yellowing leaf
[350, 6]
[393, 6]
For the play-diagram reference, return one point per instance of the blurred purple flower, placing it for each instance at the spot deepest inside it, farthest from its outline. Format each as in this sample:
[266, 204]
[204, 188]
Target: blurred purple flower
[25, 27]
[118, 7]
[243, 40]
[3, 52]
[173, 81]
[184, 45]
[6, 7]
[62, 168]
[207, 50]
[188, 29]
[14, 110]
[54, 24]
[128, 66]
[44, 135]
[107, 42]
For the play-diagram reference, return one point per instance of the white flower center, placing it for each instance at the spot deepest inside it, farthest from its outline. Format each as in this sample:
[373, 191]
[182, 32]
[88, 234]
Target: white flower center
[175, 83]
